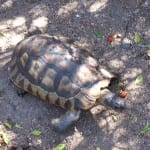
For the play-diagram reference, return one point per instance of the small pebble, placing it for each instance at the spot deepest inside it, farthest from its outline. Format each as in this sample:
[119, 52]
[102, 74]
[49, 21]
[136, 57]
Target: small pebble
[126, 43]
[136, 11]
[96, 15]
[77, 15]
[146, 4]
[148, 106]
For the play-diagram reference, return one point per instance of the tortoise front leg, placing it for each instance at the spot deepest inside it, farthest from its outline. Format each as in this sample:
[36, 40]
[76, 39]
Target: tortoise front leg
[62, 123]
[110, 99]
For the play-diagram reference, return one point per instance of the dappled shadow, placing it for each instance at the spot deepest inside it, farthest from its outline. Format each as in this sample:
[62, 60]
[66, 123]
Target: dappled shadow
[77, 20]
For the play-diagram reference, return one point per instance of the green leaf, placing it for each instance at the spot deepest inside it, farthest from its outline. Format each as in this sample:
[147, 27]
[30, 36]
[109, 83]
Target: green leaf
[36, 132]
[8, 125]
[4, 139]
[97, 34]
[60, 147]
[146, 128]
[1, 33]
[139, 79]
[97, 148]
[113, 32]
[18, 126]
[114, 118]
[43, 148]
[137, 38]
[120, 84]
[148, 52]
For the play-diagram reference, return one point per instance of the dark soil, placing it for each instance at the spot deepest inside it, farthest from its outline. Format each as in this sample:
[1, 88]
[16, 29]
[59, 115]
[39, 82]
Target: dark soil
[77, 20]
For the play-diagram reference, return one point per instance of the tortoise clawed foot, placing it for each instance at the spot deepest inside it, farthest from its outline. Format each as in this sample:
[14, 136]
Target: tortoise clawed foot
[57, 126]
[62, 123]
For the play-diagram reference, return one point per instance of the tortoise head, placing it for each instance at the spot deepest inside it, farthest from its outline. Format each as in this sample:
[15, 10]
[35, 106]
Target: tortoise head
[108, 98]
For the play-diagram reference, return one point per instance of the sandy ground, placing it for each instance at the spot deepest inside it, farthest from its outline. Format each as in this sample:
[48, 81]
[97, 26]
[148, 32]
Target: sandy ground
[99, 128]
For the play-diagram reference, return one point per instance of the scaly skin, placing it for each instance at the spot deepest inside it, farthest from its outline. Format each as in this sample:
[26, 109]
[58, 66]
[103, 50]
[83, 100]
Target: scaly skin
[108, 98]
[62, 123]
[69, 118]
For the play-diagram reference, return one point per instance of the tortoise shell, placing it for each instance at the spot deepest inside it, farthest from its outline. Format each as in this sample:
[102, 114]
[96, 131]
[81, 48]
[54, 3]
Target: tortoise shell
[55, 71]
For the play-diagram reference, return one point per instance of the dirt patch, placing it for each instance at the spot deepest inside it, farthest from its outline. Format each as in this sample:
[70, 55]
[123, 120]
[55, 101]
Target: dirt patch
[79, 21]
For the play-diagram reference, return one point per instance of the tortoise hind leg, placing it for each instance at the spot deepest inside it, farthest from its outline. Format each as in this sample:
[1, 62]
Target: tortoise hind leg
[108, 98]
[62, 123]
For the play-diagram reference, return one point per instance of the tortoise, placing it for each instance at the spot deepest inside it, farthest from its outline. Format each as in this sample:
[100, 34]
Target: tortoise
[53, 70]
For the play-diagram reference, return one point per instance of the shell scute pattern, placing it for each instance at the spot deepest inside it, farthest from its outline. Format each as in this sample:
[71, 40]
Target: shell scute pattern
[51, 70]
[48, 80]
[67, 88]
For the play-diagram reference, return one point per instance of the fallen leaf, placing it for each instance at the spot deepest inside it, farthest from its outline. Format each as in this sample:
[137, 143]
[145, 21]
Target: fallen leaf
[110, 38]
[6, 140]
[1, 33]
[137, 38]
[18, 126]
[139, 79]
[148, 52]
[114, 118]
[3, 139]
[43, 148]
[113, 32]
[97, 34]
[123, 94]
[120, 84]
[146, 128]
[60, 147]
[36, 132]
[8, 125]
[97, 148]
